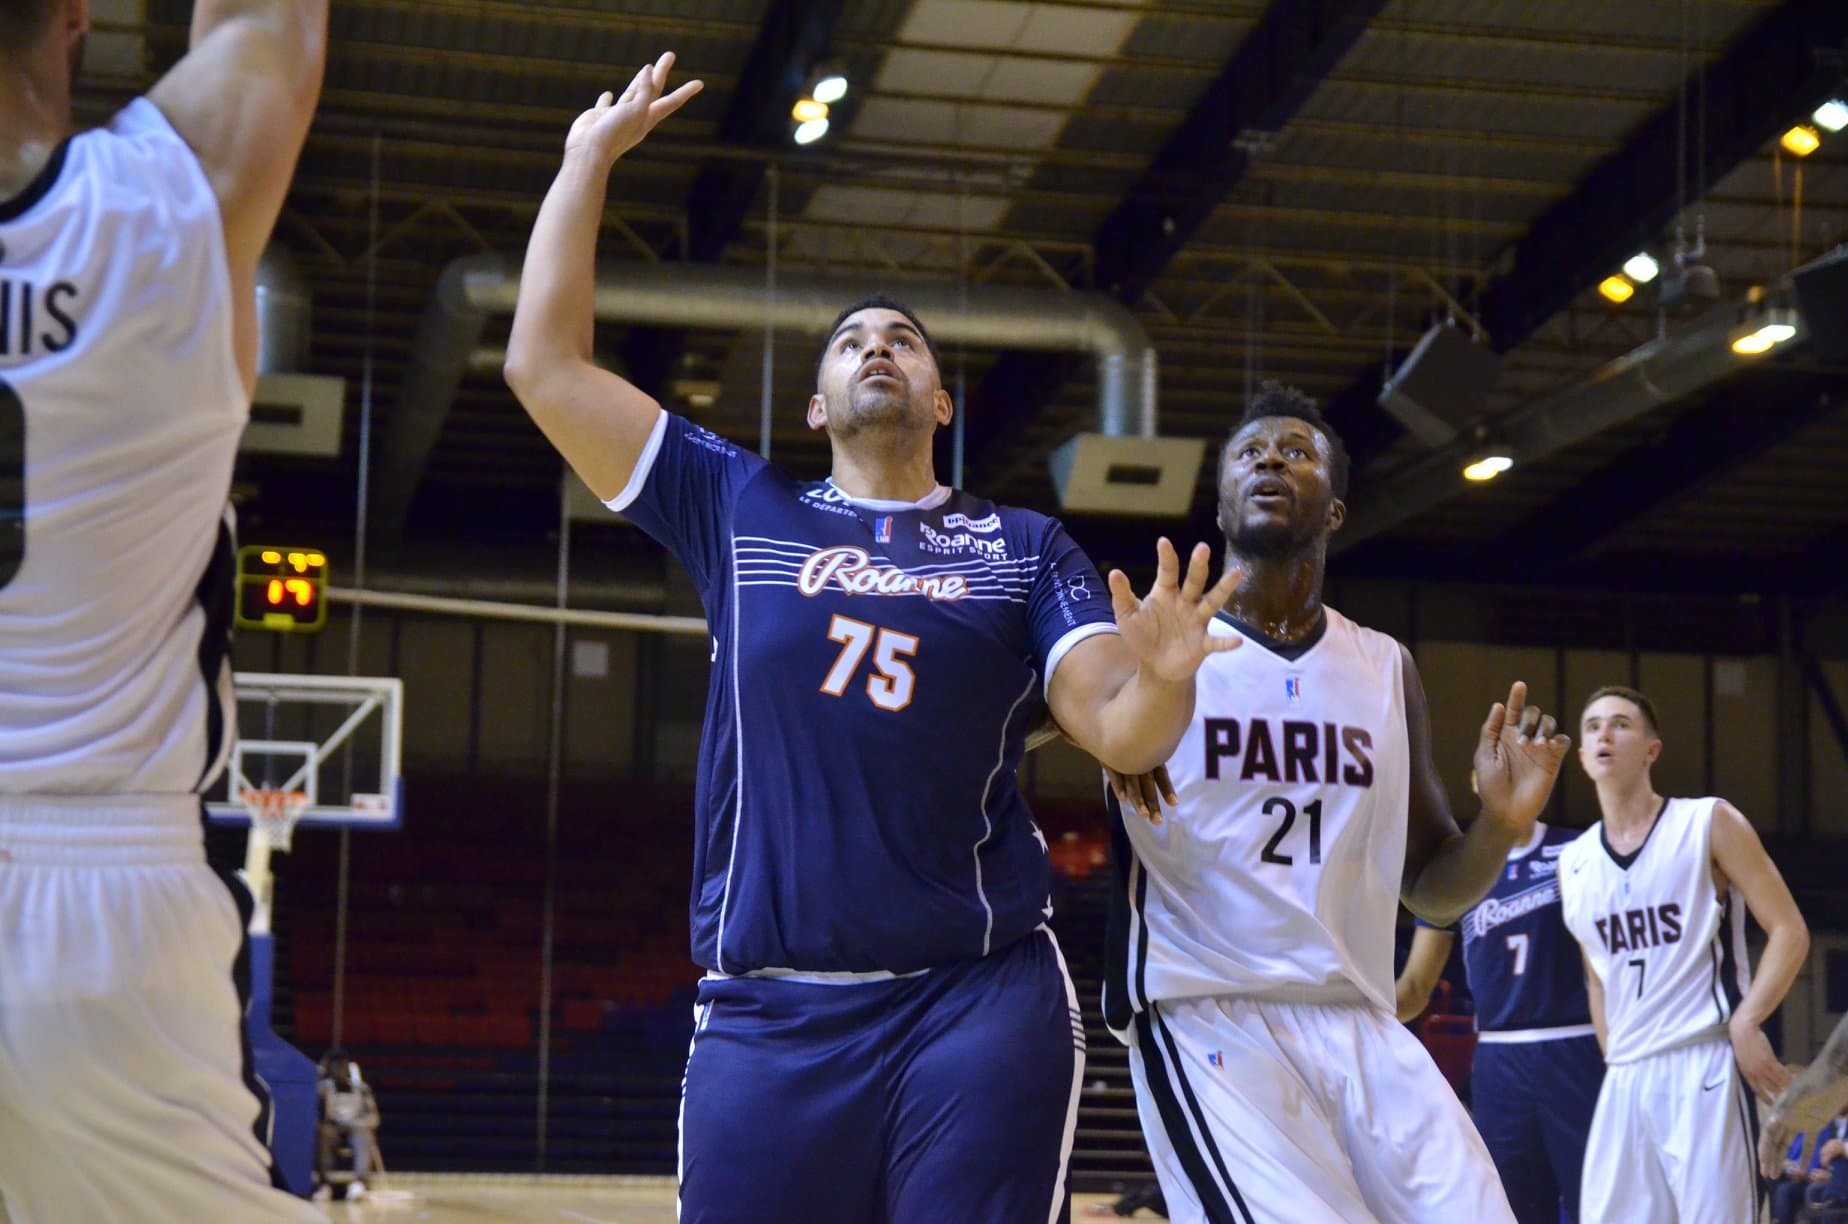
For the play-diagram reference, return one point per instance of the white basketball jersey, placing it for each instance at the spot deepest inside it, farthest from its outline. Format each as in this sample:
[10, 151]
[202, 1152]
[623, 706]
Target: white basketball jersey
[121, 406]
[1278, 873]
[1668, 948]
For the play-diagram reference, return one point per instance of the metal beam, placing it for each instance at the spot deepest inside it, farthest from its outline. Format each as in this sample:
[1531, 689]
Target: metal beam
[1731, 429]
[1293, 46]
[1783, 66]
[794, 35]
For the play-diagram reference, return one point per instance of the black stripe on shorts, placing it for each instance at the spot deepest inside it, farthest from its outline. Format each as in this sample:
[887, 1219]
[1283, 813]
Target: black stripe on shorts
[1175, 1117]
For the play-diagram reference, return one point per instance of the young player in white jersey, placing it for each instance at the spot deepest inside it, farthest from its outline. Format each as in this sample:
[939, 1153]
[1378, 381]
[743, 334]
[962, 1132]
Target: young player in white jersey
[1252, 941]
[1653, 893]
[128, 262]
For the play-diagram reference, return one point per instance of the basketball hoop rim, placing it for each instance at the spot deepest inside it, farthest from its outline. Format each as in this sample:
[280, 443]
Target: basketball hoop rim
[274, 812]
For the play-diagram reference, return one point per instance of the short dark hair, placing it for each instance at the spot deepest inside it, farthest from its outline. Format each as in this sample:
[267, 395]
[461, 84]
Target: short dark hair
[877, 301]
[1275, 399]
[1642, 703]
[22, 22]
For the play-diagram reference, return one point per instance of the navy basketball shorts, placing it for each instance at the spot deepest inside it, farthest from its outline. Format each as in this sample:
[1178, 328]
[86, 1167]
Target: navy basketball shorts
[947, 1095]
[1533, 1104]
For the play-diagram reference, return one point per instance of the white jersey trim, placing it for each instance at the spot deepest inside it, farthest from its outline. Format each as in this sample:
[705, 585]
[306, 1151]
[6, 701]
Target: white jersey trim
[836, 978]
[1064, 645]
[1527, 1036]
[644, 464]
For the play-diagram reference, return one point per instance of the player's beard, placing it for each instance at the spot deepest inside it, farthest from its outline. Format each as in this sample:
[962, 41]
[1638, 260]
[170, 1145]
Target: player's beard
[877, 408]
[1274, 539]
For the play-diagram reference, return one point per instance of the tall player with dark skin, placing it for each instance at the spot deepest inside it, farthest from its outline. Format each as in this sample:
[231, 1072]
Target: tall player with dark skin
[1280, 487]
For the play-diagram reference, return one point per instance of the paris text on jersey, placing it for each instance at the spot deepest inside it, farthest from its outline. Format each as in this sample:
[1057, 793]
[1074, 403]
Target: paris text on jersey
[1296, 751]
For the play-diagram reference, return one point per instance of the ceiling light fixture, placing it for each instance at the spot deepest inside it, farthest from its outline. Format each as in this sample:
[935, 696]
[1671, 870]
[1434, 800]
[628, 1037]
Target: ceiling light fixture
[807, 110]
[1616, 289]
[809, 132]
[831, 88]
[1831, 116]
[1801, 140]
[1641, 267]
[1488, 468]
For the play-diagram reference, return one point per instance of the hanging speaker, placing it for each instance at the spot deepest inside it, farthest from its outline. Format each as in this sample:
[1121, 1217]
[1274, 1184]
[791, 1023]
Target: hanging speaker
[1440, 389]
[1822, 297]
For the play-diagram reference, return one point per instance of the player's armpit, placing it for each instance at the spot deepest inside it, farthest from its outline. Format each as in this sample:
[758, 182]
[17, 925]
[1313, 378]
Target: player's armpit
[242, 97]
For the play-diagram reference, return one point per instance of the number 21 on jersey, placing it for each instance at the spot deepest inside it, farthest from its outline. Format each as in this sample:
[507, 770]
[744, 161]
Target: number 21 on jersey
[890, 686]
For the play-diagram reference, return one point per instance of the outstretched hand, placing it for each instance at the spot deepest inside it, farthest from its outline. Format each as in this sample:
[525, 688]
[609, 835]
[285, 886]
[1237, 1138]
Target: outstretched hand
[1167, 629]
[1518, 759]
[617, 124]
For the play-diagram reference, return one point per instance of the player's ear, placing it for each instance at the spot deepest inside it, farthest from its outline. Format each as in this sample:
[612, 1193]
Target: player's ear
[1337, 515]
[943, 407]
[817, 412]
[1654, 751]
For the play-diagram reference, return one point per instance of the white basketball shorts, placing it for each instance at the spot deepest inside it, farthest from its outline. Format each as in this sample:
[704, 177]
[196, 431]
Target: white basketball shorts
[1314, 1113]
[1673, 1142]
[123, 1083]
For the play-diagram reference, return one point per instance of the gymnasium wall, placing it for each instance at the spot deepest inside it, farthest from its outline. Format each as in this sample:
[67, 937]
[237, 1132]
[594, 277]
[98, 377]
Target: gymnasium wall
[1745, 723]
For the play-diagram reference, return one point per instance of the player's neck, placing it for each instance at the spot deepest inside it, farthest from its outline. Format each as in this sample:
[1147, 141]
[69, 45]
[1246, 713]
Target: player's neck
[877, 473]
[1280, 597]
[1628, 806]
[33, 119]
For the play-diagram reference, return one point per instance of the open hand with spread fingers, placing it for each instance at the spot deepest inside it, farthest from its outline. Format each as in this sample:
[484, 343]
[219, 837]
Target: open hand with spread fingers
[1167, 629]
[617, 124]
[1518, 760]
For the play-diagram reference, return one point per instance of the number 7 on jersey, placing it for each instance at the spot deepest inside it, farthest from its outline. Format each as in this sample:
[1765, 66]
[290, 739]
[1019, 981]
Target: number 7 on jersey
[890, 689]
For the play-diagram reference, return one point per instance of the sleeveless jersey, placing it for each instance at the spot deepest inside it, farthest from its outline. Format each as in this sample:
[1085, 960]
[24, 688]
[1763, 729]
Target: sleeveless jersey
[1669, 950]
[876, 667]
[121, 407]
[1278, 873]
[1523, 966]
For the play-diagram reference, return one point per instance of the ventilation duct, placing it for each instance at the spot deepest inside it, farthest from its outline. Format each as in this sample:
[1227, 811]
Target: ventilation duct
[1660, 372]
[474, 288]
[292, 413]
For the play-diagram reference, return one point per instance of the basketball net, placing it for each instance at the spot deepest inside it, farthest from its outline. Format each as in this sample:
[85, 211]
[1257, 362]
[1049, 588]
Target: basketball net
[273, 814]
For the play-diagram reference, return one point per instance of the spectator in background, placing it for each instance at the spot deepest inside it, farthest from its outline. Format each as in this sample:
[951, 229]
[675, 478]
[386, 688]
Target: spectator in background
[1823, 1184]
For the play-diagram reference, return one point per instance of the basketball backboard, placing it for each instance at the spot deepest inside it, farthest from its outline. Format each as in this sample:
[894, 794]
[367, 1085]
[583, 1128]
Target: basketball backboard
[335, 739]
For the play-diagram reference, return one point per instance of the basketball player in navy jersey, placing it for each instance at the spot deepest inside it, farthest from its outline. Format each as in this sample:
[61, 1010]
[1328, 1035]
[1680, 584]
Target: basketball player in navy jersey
[1656, 893]
[886, 1030]
[1251, 946]
[1534, 1082]
[128, 340]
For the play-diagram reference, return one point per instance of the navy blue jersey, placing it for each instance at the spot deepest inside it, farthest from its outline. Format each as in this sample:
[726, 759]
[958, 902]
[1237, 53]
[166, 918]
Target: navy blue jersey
[876, 667]
[1523, 965]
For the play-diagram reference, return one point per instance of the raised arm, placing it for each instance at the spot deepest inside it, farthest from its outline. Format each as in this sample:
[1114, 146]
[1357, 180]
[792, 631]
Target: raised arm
[1424, 965]
[242, 97]
[1741, 859]
[599, 422]
[1517, 761]
[1126, 697]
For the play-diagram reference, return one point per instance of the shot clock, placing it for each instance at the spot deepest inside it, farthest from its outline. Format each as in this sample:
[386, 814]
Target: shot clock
[281, 588]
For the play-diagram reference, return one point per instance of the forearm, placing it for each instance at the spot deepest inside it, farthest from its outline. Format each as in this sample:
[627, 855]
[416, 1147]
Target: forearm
[553, 319]
[1140, 726]
[1460, 871]
[1786, 947]
[302, 23]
